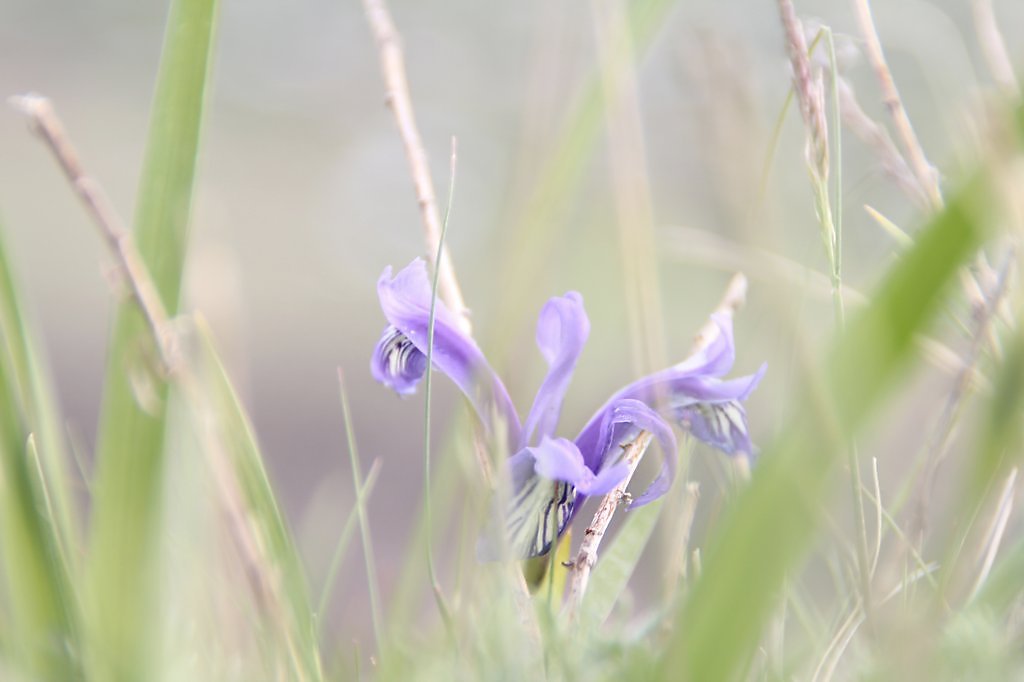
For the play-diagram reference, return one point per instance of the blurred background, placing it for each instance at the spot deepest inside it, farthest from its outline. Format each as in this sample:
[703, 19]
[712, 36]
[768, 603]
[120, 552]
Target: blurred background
[304, 197]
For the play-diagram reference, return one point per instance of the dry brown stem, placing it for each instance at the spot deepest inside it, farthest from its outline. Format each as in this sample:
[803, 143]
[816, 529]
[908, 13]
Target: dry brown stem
[392, 62]
[809, 89]
[263, 579]
[44, 122]
[994, 47]
[923, 171]
[579, 573]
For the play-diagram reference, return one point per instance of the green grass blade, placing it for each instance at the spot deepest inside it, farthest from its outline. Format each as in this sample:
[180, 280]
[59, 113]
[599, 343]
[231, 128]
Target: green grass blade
[369, 556]
[42, 609]
[344, 539]
[262, 511]
[770, 525]
[35, 397]
[129, 462]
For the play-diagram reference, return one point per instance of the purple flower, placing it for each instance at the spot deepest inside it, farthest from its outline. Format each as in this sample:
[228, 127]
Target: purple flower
[552, 475]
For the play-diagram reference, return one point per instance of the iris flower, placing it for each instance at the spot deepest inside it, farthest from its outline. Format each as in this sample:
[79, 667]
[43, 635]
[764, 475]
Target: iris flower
[551, 475]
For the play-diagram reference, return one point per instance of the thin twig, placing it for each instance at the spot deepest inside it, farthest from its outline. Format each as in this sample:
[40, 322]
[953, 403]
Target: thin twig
[924, 171]
[732, 300]
[996, 531]
[392, 62]
[877, 137]
[993, 47]
[263, 579]
[941, 438]
[809, 91]
[677, 563]
[579, 573]
[369, 560]
[45, 123]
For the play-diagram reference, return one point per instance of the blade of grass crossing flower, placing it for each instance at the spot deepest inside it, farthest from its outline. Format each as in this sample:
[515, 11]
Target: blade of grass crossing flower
[263, 513]
[129, 462]
[364, 523]
[767, 530]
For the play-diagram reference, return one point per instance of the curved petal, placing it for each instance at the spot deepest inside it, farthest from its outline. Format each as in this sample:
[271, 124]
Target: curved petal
[622, 423]
[405, 299]
[397, 363]
[715, 357]
[562, 330]
[700, 389]
[560, 460]
[677, 391]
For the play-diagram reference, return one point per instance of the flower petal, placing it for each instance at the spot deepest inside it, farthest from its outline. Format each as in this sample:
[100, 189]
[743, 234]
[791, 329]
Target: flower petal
[405, 299]
[560, 460]
[397, 363]
[621, 426]
[722, 425]
[537, 512]
[715, 357]
[547, 481]
[677, 391]
[562, 330]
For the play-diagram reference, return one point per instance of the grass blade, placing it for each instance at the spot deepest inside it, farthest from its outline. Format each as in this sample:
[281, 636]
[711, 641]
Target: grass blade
[279, 554]
[129, 462]
[770, 525]
[42, 606]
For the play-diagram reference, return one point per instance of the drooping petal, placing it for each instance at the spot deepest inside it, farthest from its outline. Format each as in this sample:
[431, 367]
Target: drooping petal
[562, 330]
[715, 357]
[677, 391]
[721, 424]
[621, 425]
[405, 299]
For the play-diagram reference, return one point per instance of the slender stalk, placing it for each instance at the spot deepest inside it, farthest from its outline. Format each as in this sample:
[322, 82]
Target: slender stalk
[994, 536]
[922, 169]
[630, 184]
[428, 384]
[263, 577]
[993, 47]
[364, 523]
[579, 573]
[344, 538]
[809, 91]
[45, 123]
[392, 62]
[940, 441]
